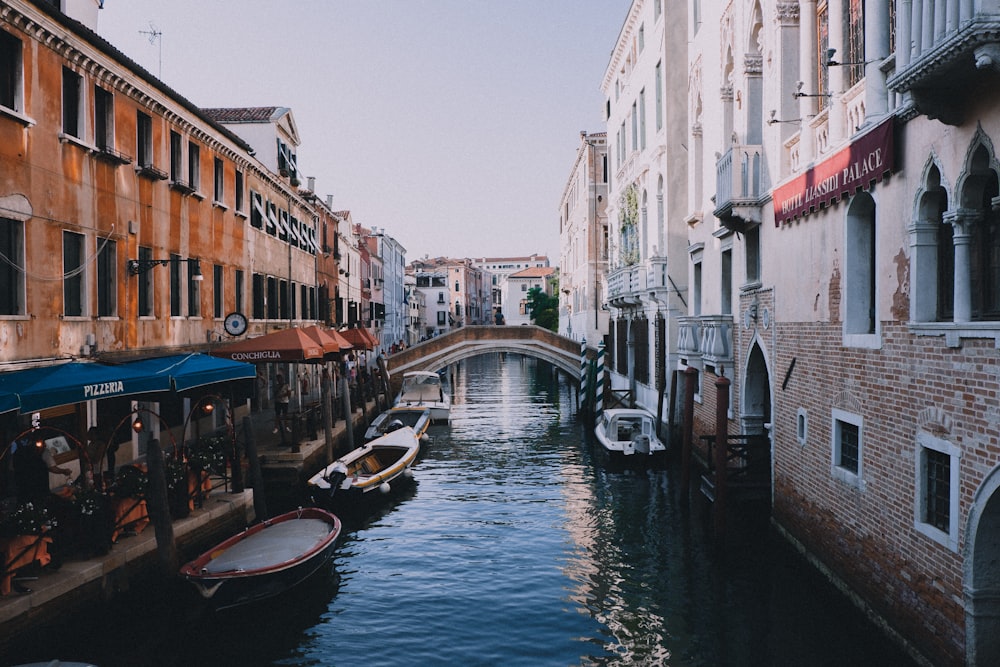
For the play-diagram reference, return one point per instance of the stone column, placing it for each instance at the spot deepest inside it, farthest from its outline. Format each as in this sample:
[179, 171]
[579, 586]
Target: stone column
[962, 221]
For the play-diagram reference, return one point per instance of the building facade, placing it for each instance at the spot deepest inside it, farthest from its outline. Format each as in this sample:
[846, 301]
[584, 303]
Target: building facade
[842, 256]
[583, 238]
[646, 276]
[133, 223]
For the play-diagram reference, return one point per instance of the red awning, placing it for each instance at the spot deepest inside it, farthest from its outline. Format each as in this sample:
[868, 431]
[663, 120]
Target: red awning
[331, 346]
[285, 345]
[357, 338]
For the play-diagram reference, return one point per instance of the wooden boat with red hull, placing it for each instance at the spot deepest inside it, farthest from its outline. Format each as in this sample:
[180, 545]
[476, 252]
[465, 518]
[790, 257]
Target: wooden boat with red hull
[265, 559]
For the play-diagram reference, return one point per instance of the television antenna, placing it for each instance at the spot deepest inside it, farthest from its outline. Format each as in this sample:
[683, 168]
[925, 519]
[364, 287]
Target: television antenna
[155, 35]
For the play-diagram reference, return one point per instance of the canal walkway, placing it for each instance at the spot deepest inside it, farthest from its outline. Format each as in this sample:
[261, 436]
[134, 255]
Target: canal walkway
[46, 593]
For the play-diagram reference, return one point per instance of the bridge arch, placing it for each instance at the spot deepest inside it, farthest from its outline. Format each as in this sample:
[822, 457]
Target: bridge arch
[470, 341]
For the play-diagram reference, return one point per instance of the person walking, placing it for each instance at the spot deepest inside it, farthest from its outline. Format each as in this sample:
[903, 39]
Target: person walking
[282, 393]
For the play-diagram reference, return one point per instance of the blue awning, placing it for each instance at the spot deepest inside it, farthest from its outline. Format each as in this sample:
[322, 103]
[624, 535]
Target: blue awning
[74, 382]
[187, 371]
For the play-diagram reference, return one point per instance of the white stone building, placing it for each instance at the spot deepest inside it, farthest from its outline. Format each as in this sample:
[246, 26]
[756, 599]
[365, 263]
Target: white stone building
[646, 278]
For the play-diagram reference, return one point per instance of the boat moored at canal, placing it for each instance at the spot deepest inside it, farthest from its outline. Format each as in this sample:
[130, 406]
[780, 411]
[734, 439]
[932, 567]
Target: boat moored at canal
[266, 559]
[417, 418]
[369, 470]
[629, 434]
[424, 389]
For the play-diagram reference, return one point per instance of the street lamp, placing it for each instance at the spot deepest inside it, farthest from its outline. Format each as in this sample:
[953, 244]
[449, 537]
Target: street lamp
[137, 266]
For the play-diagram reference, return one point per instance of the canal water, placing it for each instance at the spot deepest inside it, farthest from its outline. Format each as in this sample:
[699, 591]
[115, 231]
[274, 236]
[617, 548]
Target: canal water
[515, 545]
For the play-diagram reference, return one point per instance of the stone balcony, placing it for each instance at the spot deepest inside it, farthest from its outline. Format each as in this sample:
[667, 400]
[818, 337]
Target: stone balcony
[706, 340]
[740, 184]
[955, 49]
[636, 284]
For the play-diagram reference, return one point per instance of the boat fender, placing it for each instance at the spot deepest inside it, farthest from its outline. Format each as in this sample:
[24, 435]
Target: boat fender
[408, 473]
[384, 488]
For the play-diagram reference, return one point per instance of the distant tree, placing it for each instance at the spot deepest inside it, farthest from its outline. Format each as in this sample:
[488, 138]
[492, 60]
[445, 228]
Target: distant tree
[543, 309]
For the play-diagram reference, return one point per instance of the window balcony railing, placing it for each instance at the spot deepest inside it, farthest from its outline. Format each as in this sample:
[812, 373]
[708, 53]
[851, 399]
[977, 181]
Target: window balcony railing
[632, 285]
[707, 339]
[740, 184]
[954, 50]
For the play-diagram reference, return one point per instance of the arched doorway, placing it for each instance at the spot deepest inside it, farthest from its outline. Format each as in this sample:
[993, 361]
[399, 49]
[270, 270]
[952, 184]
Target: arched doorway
[982, 575]
[755, 419]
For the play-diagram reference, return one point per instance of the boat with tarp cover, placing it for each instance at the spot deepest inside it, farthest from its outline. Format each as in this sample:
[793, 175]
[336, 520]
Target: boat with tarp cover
[266, 559]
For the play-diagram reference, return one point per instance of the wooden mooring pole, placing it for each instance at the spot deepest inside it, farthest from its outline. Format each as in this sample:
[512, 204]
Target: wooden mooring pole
[721, 451]
[690, 381]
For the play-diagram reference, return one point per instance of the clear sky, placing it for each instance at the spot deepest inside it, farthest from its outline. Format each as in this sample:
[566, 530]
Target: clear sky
[453, 124]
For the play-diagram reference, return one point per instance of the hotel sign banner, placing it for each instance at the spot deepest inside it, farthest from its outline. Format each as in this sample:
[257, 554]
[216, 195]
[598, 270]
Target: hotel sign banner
[853, 168]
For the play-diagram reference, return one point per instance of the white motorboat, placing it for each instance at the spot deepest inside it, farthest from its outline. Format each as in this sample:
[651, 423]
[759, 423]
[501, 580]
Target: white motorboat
[374, 466]
[628, 433]
[425, 389]
[417, 418]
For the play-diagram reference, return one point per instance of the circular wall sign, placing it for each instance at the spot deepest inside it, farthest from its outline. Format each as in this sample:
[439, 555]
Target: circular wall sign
[236, 324]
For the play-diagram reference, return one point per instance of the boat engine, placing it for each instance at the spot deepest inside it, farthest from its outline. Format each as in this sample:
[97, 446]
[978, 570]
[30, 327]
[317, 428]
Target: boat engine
[640, 444]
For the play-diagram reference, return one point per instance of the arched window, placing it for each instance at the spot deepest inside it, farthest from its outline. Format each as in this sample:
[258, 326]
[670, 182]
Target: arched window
[861, 316]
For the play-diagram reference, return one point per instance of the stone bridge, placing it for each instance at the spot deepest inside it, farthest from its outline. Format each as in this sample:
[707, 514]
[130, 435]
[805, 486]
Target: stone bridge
[469, 341]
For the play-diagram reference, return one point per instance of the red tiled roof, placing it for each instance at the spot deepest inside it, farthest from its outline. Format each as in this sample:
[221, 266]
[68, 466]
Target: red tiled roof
[533, 272]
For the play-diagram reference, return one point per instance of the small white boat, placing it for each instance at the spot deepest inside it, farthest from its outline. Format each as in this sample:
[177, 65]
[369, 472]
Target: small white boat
[417, 418]
[628, 433]
[422, 388]
[369, 470]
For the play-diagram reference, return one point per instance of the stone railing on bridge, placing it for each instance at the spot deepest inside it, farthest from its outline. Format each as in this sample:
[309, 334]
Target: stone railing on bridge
[469, 341]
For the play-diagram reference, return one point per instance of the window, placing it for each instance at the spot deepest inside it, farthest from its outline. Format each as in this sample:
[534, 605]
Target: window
[107, 278]
[104, 119]
[272, 299]
[194, 166]
[936, 511]
[751, 241]
[657, 9]
[218, 191]
[239, 204]
[239, 287]
[802, 426]
[193, 289]
[284, 303]
[642, 38]
[659, 95]
[258, 297]
[848, 446]
[855, 36]
[727, 282]
[441, 318]
[696, 289]
[642, 118]
[143, 139]
[860, 318]
[175, 286]
[257, 210]
[822, 44]
[635, 127]
[524, 287]
[73, 275]
[145, 280]
[176, 158]
[10, 72]
[72, 121]
[984, 262]
[11, 265]
[456, 286]
[217, 293]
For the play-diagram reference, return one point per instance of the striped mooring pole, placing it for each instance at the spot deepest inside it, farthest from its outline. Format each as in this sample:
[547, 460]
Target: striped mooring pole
[599, 381]
[583, 373]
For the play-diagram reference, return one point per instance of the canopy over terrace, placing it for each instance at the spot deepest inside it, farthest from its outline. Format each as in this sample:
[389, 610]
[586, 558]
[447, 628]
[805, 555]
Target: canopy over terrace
[360, 338]
[332, 342]
[287, 345]
[73, 382]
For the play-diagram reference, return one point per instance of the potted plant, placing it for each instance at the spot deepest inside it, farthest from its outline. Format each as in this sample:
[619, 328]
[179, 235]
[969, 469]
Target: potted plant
[178, 497]
[93, 521]
[29, 518]
[131, 482]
